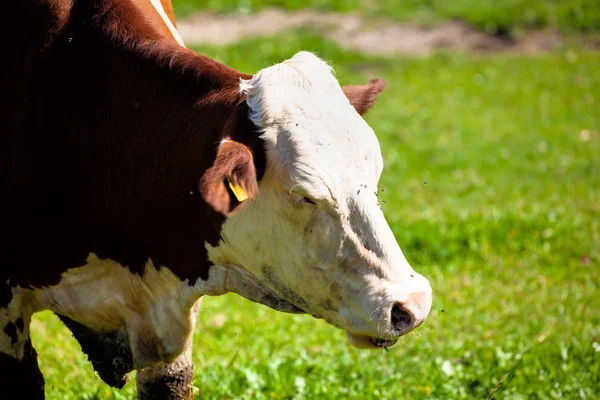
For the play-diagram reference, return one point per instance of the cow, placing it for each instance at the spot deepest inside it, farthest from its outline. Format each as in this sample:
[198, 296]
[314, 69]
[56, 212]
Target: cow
[139, 176]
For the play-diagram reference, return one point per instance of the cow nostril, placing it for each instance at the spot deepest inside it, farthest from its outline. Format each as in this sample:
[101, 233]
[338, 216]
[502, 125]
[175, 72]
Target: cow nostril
[401, 319]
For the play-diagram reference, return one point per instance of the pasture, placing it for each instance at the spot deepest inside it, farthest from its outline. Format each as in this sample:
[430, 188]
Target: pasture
[492, 187]
[492, 16]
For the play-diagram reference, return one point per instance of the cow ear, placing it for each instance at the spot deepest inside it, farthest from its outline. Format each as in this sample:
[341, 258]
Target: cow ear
[231, 180]
[363, 97]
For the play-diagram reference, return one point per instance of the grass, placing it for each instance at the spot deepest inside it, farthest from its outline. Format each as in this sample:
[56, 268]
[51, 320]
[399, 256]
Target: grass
[492, 16]
[492, 187]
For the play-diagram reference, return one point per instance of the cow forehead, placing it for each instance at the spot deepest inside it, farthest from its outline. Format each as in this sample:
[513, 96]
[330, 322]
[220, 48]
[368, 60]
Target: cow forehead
[310, 127]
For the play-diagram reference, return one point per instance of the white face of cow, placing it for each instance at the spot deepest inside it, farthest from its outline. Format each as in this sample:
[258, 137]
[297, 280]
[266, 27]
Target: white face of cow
[314, 234]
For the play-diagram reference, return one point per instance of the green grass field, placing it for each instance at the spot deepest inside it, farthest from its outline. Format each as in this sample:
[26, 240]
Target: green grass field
[492, 187]
[493, 16]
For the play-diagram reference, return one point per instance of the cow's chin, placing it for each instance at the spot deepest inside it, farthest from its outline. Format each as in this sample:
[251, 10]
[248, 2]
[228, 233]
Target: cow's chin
[358, 341]
[368, 342]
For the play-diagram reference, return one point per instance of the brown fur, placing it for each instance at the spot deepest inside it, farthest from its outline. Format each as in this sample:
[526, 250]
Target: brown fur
[363, 97]
[145, 113]
[234, 162]
[108, 131]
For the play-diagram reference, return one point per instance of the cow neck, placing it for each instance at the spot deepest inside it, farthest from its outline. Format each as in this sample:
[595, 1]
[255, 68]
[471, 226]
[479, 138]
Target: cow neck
[157, 112]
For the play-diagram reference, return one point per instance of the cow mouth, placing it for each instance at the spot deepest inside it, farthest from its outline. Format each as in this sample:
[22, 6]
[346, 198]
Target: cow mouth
[369, 342]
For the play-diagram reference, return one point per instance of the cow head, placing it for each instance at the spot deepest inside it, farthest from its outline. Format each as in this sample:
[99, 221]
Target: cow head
[312, 234]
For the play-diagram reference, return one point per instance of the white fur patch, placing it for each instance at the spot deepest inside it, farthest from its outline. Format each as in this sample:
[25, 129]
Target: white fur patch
[311, 128]
[157, 309]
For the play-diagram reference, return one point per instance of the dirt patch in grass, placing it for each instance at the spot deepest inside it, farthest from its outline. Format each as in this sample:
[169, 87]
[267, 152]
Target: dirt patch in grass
[356, 32]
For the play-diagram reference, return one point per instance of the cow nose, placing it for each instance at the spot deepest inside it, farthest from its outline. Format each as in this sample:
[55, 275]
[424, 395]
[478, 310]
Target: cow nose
[409, 314]
[401, 318]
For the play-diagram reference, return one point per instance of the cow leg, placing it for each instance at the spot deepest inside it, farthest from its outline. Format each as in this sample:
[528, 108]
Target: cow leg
[109, 352]
[20, 376]
[111, 357]
[167, 381]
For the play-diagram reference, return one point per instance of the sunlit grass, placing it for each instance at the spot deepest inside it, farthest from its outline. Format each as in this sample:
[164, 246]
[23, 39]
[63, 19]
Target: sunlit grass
[495, 17]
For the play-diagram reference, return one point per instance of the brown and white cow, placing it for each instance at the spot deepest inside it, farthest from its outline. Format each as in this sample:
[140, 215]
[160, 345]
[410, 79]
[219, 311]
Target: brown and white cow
[139, 176]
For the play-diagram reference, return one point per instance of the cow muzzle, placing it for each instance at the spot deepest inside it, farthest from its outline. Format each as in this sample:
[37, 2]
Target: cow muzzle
[396, 319]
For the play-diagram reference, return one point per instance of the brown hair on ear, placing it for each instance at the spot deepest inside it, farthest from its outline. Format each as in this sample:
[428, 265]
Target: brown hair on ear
[231, 180]
[363, 97]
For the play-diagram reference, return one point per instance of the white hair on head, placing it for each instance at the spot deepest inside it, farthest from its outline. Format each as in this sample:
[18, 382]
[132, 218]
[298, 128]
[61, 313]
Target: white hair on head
[312, 133]
[276, 91]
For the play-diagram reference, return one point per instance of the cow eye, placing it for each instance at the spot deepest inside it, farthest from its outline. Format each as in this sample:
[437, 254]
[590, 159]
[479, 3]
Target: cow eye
[308, 200]
[300, 198]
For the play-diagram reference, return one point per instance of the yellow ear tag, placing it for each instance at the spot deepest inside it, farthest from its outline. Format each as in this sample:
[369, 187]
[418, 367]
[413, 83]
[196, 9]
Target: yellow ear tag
[238, 191]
